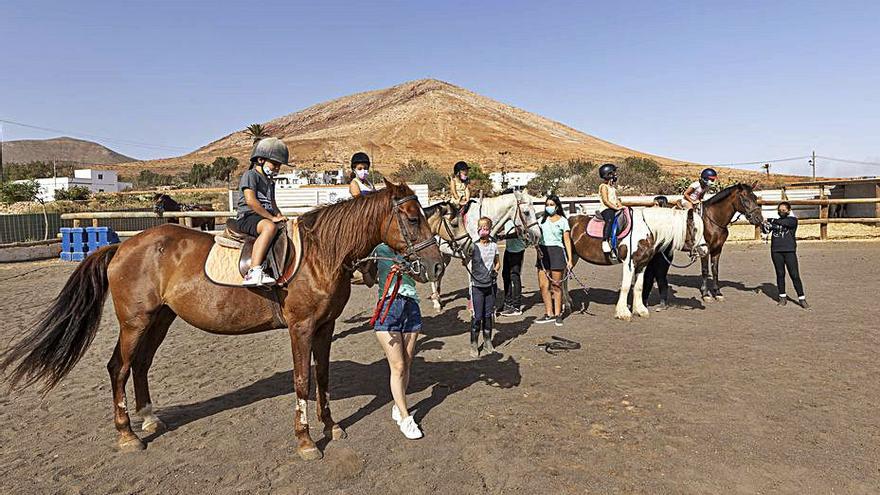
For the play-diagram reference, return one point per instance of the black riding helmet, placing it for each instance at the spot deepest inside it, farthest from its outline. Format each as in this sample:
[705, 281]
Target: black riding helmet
[360, 158]
[460, 167]
[708, 174]
[662, 201]
[608, 171]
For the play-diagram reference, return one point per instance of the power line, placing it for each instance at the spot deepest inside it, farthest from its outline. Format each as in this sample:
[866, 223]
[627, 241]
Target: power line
[844, 160]
[761, 162]
[95, 136]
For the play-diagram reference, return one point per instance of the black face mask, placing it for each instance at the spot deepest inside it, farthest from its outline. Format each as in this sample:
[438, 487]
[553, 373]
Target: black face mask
[783, 214]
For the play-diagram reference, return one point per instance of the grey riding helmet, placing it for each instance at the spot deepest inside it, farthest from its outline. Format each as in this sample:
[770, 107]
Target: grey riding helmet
[272, 149]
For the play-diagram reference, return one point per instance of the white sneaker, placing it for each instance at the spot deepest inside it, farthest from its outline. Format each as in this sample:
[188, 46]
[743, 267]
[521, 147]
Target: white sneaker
[395, 414]
[606, 248]
[410, 429]
[255, 277]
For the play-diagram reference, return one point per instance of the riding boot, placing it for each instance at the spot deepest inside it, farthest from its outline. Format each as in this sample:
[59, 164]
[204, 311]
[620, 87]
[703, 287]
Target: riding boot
[475, 335]
[487, 336]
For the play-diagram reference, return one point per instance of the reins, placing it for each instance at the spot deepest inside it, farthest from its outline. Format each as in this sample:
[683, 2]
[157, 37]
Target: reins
[397, 276]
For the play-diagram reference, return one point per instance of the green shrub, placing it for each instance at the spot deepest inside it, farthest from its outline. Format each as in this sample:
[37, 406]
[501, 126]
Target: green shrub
[421, 172]
[13, 192]
[75, 193]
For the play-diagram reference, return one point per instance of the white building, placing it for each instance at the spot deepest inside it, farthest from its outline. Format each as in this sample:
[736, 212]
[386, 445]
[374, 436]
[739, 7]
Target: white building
[97, 181]
[516, 180]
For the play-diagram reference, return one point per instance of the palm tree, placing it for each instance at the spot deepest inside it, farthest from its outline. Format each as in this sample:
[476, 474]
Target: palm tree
[256, 131]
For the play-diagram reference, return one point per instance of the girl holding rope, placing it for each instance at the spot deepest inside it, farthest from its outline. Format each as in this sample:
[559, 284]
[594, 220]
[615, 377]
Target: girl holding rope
[484, 272]
[554, 258]
[397, 322]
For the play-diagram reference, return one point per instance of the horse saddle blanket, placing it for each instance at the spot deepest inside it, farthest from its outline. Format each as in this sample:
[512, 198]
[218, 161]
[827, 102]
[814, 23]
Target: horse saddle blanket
[623, 219]
[230, 257]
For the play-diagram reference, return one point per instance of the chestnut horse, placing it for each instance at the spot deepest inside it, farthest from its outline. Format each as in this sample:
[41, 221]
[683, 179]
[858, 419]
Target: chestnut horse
[718, 212]
[158, 275]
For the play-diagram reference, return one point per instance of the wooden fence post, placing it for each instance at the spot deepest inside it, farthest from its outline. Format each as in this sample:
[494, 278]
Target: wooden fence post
[757, 232]
[823, 214]
[94, 222]
[188, 221]
[75, 222]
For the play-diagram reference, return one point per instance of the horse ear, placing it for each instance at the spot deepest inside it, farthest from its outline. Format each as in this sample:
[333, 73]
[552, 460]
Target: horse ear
[754, 184]
[388, 183]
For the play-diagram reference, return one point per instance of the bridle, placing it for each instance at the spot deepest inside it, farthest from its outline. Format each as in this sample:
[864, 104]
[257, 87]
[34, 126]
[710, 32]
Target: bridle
[411, 262]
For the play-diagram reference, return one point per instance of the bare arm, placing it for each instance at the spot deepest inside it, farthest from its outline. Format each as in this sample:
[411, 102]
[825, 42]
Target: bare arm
[687, 196]
[497, 266]
[566, 239]
[354, 189]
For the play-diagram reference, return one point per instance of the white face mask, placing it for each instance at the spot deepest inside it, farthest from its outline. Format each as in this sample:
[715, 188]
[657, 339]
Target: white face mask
[268, 171]
[551, 210]
[362, 173]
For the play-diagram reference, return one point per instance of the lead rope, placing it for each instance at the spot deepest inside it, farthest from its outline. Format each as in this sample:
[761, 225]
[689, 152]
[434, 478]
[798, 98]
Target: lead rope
[394, 274]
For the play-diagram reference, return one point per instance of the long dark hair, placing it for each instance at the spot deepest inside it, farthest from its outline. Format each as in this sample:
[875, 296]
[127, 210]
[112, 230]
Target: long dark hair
[559, 211]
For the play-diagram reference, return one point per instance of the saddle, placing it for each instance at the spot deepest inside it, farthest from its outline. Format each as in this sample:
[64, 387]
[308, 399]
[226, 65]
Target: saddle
[230, 256]
[622, 219]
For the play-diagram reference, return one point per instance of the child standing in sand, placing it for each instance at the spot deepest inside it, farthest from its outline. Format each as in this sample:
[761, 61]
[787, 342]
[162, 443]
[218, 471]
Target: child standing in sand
[484, 270]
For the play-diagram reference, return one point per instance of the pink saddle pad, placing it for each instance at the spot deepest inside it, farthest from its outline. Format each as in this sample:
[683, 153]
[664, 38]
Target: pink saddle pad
[596, 226]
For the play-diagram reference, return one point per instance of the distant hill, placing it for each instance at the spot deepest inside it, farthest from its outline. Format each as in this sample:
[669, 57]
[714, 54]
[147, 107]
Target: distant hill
[61, 149]
[425, 119]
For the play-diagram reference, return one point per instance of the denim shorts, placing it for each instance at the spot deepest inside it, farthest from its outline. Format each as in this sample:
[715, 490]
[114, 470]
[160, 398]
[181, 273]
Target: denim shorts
[404, 316]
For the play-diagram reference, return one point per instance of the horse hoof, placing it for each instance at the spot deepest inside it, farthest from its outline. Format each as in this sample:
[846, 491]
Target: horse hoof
[154, 426]
[643, 314]
[336, 433]
[131, 445]
[719, 298]
[624, 317]
[310, 454]
[708, 299]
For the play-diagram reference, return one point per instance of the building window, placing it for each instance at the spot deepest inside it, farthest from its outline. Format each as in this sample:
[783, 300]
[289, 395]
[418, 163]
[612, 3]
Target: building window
[100, 176]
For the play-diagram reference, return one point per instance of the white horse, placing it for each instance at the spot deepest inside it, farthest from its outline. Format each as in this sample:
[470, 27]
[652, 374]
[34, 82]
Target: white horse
[652, 231]
[456, 238]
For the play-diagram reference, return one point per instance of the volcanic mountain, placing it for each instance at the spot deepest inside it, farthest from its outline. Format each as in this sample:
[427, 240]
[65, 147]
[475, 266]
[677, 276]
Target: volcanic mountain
[426, 119]
[61, 149]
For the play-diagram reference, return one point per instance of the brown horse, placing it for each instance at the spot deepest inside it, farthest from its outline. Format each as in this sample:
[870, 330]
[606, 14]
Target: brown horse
[158, 275]
[718, 212]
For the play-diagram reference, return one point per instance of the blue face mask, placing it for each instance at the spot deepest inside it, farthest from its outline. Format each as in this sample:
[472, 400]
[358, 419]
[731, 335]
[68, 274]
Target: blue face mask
[551, 210]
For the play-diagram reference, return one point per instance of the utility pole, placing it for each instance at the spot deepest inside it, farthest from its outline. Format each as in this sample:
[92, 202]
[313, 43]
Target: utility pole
[1, 153]
[813, 163]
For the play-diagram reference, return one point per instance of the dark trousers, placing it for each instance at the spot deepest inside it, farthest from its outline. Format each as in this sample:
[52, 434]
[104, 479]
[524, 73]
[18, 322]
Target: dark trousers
[510, 275]
[783, 261]
[657, 269]
[483, 301]
[608, 216]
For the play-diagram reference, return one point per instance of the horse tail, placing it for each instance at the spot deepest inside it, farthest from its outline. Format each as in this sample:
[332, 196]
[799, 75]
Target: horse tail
[63, 331]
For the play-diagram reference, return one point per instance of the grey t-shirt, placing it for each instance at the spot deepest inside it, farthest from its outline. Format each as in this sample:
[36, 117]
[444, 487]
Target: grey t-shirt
[261, 186]
[483, 264]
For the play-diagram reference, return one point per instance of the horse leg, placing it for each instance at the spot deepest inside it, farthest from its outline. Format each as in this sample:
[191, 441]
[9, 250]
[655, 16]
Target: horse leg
[140, 367]
[435, 294]
[622, 311]
[639, 305]
[704, 279]
[131, 330]
[301, 346]
[715, 288]
[321, 351]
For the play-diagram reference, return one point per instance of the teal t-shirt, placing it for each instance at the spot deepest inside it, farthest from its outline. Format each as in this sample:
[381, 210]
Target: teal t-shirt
[407, 285]
[552, 232]
[514, 245]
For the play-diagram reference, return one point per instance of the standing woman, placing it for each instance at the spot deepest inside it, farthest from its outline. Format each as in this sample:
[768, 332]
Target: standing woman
[397, 332]
[783, 252]
[360, 172]
[554, 258]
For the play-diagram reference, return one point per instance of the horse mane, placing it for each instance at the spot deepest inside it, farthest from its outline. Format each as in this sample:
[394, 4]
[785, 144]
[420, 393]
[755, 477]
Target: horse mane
[668, 225]
[727, 191]
[338, 228]
[432, 209]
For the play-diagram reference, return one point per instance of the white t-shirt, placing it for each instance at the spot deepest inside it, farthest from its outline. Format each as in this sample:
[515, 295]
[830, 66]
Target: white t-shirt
[698, 192]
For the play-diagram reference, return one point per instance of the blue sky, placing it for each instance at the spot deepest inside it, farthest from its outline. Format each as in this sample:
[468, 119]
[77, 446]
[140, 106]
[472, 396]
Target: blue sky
[706, 81]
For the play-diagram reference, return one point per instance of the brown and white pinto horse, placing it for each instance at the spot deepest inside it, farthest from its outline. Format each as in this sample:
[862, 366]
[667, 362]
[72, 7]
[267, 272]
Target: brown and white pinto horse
[718, 212]
[653, 229]
[158, 275]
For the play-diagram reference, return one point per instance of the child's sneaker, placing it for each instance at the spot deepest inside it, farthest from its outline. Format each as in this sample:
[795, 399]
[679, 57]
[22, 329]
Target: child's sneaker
[256, 277]
[545, 319]
[395, 414]
[410, 429]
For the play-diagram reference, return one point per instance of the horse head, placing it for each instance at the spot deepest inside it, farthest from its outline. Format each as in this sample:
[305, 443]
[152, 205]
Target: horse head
[160, 205]
[407, 231]
[747, 203]
[527, 220]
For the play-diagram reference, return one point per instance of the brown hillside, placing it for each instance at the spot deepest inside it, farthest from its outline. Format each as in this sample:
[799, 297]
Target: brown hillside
[62, 149]
[426, 119]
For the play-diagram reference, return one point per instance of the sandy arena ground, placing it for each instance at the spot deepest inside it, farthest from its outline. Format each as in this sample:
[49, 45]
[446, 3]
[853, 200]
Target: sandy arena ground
[732, 397]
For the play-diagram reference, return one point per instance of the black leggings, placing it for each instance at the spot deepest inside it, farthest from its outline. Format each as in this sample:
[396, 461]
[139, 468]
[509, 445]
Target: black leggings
[657, 269]
[608, 216]
[510, 274]
[483, 301]
[783, 261]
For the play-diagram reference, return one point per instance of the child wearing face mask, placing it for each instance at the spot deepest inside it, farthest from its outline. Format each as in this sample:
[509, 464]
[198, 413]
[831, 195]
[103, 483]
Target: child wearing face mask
[360, 172]
[783, 252]
[484, 266]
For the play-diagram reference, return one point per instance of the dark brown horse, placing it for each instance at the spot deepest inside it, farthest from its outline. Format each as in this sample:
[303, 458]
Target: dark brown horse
[163, 202]
[158, 275]
[718, 212]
